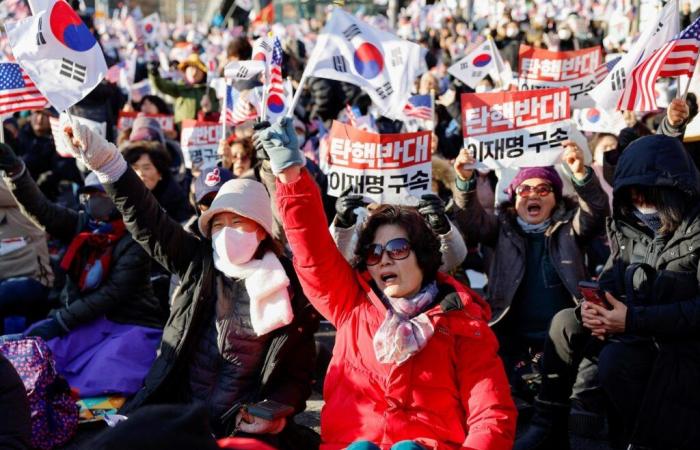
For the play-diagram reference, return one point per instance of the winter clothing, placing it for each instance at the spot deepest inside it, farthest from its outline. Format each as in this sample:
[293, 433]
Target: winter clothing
[210, 180]
[451, 395]
[124, 296]
[173, 199]
[246, 198]
[277, 366]
[546, 173]
[668, 318]
[283, 145]
[569, 231]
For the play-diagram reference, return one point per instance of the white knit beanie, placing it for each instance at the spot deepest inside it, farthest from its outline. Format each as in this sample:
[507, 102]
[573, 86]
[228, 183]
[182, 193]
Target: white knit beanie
[247, 198]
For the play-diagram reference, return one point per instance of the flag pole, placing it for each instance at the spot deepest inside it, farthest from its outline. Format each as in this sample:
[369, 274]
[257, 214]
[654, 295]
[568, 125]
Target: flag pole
[223, 113]
[432, 107]
[2, 129]
[297, 94]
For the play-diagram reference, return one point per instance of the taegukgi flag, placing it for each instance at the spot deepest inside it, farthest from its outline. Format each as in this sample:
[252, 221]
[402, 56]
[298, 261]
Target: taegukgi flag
[58, 52]
[384, 65]
[483, 60]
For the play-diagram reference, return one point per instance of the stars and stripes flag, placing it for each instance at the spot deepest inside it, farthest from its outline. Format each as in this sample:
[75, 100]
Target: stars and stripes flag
[276, 98]
[604, 69]
[350, 114]
[675, 58]
[17, 91]
[419, 107]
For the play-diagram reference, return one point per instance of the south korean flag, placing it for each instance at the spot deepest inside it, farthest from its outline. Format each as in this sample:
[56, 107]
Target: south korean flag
[383, 65]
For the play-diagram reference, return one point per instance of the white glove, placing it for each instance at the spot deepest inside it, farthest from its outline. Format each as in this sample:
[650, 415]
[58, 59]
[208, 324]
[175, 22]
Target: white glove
[256, 425]
[94, 151]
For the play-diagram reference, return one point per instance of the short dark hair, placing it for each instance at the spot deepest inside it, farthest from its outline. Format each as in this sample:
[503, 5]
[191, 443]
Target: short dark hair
[240, 48]
[424, 242]
[158, 102]
[672, 204]
[156, 152]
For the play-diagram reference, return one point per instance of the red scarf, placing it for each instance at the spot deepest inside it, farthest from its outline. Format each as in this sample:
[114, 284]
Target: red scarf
[98, 246]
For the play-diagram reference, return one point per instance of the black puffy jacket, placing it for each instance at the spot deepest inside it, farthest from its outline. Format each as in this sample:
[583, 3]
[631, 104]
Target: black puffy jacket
[286, 373]
[665, 303]
[125, 296]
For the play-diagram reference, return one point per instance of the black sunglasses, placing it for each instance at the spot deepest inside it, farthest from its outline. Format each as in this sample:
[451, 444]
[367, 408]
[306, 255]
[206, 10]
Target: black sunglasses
[398, 248]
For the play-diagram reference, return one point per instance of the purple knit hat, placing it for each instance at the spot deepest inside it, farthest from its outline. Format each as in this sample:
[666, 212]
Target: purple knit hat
[546, 173]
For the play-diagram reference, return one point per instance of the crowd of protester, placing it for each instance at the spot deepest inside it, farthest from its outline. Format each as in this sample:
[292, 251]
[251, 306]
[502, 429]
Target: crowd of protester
[194, 293]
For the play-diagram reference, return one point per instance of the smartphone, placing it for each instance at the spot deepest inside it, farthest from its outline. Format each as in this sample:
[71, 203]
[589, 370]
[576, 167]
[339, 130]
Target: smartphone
[270, 410]
[592, 293]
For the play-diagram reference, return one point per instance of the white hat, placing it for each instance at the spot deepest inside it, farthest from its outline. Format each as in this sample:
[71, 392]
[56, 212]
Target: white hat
[247, 198]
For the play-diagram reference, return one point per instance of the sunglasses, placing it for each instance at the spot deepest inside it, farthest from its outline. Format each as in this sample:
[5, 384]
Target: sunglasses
[542, 190]
[397, 249]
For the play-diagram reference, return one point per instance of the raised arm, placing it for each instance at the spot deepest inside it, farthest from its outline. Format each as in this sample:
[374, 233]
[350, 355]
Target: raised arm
[56, 220]
[167, 87]
[327, 279]
[149, 225]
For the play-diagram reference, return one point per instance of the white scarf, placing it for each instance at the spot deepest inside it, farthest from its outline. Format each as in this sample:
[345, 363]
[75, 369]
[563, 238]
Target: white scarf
[266, 283]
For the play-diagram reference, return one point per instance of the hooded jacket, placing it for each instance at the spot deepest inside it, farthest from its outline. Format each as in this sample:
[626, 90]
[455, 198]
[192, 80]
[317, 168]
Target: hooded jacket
[451, 395]
[665, 303]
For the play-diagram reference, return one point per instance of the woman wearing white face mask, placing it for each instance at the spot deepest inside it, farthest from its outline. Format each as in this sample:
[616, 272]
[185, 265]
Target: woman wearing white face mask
[240, 329]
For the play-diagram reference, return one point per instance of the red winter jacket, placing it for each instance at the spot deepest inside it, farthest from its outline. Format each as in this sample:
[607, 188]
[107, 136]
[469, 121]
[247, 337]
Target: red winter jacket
[452, 395]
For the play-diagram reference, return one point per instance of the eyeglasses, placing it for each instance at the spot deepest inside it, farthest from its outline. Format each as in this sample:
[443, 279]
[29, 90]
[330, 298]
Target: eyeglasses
[542, 190]
[397, 249]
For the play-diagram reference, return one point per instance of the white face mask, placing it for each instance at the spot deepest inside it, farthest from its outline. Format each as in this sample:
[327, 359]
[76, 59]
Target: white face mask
[511, 32]
[482, 88]
[234, 246]
[564, 34]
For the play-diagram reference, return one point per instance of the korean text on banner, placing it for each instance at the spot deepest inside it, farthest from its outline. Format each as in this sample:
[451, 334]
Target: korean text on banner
[579, 70]
[516, 129]
[200, 142]
[386, 168]
[126, 120]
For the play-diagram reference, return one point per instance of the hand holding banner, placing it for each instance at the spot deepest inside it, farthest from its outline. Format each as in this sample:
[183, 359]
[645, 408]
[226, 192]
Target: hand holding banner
[516, 129]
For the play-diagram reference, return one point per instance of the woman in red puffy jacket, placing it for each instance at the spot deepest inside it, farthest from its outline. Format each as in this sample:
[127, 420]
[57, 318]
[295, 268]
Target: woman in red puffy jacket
[414, 362]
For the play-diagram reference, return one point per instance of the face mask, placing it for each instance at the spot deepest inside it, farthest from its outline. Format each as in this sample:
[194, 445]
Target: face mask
[564, 34]
[234, 246]
[511, 32]
[480, 89]
[99, 208]
[646, 209]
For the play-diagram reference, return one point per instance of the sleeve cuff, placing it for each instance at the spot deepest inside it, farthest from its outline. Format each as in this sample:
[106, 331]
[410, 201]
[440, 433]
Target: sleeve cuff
[466, 186]
[299, 186]
[113, 170]
[586, 179]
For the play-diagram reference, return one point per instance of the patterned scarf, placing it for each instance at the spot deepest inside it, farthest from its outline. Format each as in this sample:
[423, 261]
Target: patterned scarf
[89, 255]
[406, 328]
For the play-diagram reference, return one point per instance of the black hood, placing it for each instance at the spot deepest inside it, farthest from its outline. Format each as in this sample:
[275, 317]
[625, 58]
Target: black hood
[657, 160]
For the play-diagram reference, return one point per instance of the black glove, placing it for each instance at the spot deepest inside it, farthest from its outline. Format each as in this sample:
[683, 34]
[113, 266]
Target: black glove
[260, 152]
[49, 329]
[345, 207]
[10, 163]
[432, 208]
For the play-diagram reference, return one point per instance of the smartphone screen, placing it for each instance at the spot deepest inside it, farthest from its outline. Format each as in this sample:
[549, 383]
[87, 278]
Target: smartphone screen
[592, 293]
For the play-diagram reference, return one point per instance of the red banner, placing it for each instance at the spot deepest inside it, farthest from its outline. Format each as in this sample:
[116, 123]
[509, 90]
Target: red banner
[126, 120]
[539, 64]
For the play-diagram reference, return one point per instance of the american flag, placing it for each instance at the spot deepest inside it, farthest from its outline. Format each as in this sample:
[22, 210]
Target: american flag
[604, 69]
[238, 108]
[275, 85]
[675, 58]
[17, 91]
[420, 107]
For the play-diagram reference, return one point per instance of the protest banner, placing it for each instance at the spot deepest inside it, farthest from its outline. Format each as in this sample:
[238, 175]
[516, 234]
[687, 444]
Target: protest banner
[126, 120]
[386, 168]
[58, 123]
[516, 129]
[579, 70]
[200, 142]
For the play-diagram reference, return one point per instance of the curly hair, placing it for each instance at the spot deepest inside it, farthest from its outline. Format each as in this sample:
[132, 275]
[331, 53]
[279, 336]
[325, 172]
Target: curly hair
[423, 240]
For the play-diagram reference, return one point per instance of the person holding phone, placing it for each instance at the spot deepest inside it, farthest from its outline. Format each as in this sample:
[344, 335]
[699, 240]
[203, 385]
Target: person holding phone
[415, 365]
[646, 336]
[240, 329]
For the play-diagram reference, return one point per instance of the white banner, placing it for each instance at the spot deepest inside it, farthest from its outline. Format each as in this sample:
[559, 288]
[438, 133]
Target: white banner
[200, 143]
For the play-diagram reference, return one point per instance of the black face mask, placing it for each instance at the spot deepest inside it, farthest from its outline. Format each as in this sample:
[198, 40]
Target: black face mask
[101, 208]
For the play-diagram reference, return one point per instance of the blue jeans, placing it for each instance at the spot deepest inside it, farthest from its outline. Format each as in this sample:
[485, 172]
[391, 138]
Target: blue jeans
[367, 445]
